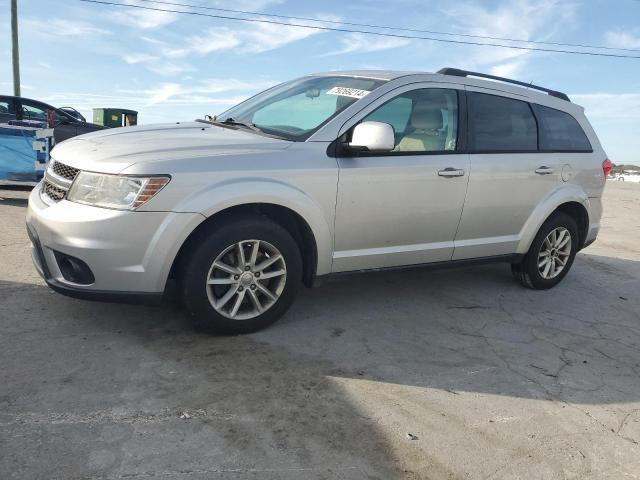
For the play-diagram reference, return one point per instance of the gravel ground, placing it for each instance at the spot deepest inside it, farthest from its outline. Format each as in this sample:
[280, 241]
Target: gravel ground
[418, 374]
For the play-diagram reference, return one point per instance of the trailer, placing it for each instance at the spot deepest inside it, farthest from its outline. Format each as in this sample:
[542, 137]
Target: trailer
[24, 152]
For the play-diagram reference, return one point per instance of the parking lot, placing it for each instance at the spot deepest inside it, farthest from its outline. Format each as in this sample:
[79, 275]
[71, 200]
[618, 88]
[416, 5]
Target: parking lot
[457, 373]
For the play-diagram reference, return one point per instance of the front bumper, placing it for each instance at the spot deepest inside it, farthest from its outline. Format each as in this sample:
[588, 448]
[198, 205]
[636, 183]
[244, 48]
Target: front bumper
[129, 253]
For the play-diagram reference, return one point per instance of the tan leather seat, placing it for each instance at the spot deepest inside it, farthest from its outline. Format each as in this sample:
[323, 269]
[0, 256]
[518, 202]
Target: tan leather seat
[424, 132]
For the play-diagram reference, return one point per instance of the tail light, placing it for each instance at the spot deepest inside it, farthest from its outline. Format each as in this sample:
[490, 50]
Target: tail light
[607, 166]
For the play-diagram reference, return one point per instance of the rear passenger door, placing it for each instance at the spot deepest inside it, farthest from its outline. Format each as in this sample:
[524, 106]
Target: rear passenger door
[508, 177]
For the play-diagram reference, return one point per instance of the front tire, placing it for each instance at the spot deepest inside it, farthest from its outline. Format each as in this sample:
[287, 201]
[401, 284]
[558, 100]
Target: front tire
[241, 276]
[551, 254]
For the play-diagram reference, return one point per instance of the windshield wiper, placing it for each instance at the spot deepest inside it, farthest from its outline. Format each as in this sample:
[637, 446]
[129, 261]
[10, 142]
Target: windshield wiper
[231, 121]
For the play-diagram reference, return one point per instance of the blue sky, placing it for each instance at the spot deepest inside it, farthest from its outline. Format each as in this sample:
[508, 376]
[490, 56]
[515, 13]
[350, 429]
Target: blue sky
[179, 67]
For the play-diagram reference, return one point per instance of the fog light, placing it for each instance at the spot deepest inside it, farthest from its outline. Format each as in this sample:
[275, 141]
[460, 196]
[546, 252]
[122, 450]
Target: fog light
[73, 269]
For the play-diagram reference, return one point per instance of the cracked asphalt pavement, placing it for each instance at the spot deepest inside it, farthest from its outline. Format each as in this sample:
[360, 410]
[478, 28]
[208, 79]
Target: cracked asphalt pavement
[421, 374]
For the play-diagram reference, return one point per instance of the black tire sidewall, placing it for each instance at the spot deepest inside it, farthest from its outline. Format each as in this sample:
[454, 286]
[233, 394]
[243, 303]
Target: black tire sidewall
[530, 263]
[210, 245]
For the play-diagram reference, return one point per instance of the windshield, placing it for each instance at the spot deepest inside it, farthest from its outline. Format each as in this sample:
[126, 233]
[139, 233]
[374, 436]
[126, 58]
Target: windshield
[296, 109]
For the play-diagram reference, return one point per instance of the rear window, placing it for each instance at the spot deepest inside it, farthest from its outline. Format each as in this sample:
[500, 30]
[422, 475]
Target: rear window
[500, 124]
[560, 131]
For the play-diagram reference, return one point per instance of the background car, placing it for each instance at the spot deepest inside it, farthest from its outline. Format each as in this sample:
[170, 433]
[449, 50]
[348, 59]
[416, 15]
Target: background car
[68, 122]
[629, 177]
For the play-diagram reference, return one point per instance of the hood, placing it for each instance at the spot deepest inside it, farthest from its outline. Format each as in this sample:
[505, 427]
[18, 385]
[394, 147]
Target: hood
[113, 150]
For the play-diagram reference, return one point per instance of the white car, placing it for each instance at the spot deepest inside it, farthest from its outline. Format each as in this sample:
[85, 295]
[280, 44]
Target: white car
[629, 177]
[330, 173]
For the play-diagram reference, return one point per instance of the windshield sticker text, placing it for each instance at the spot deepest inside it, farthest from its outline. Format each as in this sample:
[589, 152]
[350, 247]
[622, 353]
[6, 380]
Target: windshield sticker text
[348, 92]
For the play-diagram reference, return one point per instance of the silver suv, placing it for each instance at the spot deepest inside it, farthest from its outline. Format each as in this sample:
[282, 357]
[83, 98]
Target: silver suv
[329, 173]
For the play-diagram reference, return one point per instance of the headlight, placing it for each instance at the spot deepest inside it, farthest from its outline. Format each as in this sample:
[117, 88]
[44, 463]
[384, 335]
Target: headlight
[114, 191]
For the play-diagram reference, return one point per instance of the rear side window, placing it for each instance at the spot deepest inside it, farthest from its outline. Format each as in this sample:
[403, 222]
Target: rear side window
[500, 124]
[4, 106]
[560, 131]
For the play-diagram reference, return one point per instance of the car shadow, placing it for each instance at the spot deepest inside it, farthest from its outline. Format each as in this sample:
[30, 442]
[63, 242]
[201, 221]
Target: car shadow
[14, 195]
[14, 202]
[293, 400]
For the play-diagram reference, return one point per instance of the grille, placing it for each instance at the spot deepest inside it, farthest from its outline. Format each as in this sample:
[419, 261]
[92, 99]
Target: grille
[57, 181]
[54, 193]
[64, 171]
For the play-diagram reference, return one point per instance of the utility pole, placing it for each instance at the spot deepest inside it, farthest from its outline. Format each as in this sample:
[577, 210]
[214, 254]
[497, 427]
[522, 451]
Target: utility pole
[15, 50]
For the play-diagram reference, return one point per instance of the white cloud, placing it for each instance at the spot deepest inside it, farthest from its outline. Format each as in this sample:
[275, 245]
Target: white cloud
[518, 19]
[254, 38]
[60, 27]
[203, 92]
[147, 19]
[168, 101]
[142, 18]
[155, 64]
[622, 39]
[610, 105]
[163, 93]
[151, 40]
[168, 69]
[360, 43]
[270, 36]
[212, 40]
[134, 58]
[251, 5]
[615, 118]
[251, 39]
[508, 69]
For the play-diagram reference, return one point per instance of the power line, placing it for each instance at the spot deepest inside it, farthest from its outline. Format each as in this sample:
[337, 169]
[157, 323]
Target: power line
[387, 27]
[364, 32]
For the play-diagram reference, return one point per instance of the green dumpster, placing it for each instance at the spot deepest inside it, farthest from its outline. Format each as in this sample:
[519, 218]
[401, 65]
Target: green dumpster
[115, 117]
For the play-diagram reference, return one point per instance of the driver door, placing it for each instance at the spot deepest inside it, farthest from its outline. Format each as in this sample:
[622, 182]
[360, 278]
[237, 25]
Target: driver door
[403, 207]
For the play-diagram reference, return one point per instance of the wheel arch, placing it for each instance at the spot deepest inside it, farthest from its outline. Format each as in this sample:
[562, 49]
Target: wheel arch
[307, 220]
[287, 218]
[579, 213]
[571, 201]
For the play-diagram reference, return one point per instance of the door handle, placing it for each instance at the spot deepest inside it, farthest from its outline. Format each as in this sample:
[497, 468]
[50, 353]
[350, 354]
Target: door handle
[543, 170]
[451, 172]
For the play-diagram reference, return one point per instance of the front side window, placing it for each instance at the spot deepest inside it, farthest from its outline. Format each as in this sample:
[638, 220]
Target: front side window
[560, 131]
[500, 124]
[31, 112]
[423, 120]
[295, 110]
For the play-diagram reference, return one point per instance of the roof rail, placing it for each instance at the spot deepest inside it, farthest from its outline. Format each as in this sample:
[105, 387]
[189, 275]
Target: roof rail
[464, 73]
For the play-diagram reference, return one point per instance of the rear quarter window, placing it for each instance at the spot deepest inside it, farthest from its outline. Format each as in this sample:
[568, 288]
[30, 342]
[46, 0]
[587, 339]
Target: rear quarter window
[559, 131]
[500, 124]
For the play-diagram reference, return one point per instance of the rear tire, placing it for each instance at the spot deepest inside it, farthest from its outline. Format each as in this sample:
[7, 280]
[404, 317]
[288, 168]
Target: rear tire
[551, 254]
[241, 276]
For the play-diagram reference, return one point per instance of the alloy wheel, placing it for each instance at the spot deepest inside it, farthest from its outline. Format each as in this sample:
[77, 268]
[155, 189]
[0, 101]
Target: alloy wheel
[246, 279]
[554, 253]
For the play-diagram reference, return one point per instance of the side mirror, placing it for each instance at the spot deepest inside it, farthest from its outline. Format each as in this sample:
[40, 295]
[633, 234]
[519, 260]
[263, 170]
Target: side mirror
[373, 137]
